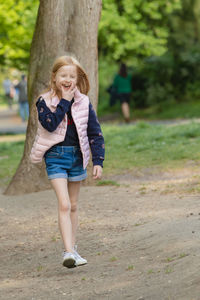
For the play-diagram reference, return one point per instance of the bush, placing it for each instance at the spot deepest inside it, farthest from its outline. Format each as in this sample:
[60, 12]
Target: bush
[157, 81]
[168, 78]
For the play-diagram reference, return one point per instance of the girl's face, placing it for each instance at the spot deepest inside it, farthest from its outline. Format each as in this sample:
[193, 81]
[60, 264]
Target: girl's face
[65, 76]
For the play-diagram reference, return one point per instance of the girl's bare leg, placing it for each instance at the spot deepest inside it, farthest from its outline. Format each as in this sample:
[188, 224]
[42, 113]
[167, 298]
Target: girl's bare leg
[73, 190]
[64, 211]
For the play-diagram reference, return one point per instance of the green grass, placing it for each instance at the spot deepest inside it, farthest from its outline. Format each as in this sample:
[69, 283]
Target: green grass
[128, 147]
[145, 145]
[162, 111]
[107, 182]
[10, 156]
[166, 110]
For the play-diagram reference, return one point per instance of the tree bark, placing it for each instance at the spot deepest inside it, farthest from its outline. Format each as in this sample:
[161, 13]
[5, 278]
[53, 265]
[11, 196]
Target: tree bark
[62, 27]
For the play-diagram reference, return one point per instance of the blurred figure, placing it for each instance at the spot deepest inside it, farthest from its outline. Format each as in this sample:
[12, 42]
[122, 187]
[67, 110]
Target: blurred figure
[122, 87]
[113, 94]
[8, 89]
[23, 98]
[16, 93]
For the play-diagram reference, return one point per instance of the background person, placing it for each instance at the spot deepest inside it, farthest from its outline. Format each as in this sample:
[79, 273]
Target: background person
[122, 86]
[8, 89]
[23, 98]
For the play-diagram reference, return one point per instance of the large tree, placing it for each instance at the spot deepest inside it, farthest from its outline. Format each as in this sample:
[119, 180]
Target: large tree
[62, 27]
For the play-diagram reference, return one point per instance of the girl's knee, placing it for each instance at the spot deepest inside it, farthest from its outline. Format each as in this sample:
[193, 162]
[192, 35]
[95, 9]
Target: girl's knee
[65, 207]
[73, 207]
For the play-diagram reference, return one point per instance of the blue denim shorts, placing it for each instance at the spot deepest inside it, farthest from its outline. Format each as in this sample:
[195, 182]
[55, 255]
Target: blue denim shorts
[65, 162]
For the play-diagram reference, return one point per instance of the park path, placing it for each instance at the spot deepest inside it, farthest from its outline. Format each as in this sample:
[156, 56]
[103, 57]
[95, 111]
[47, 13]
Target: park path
[10, 121]
[141, 240]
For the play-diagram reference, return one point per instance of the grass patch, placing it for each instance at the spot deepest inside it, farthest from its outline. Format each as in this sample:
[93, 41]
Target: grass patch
[181, 255]
[170, 110]
[127, 147]
[168, 271]
[107, 182]
[170, 259]
[10, 155]
[130, 268]
[40, 268]
[141, 145]
[161, 111]
[113, 259]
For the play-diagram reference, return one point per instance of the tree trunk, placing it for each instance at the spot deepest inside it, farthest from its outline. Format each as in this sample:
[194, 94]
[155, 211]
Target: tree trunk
[62, 27]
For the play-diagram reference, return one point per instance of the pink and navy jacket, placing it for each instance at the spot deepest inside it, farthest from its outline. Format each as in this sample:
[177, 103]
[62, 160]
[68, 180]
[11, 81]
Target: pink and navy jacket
[53, 127]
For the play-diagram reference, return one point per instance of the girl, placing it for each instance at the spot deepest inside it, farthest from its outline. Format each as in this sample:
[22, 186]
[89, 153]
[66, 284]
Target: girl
[67, 129]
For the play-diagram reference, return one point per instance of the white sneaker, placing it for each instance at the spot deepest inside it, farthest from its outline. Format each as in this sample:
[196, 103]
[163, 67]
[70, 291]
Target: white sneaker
[68, 260]
[79, 260]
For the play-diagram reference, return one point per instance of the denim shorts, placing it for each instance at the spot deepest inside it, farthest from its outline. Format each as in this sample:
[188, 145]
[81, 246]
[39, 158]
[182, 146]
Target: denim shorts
[65, 162]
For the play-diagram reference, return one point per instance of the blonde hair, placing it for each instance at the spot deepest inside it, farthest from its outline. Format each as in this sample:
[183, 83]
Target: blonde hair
[82, 78]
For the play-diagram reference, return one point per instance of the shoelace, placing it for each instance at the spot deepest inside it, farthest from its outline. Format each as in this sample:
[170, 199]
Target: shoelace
[65, 252]
[76, 254]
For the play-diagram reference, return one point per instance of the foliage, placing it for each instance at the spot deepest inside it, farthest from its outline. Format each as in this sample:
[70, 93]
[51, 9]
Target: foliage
[127, 28]
[159, 40]
[158, 83]
[175, 75]
[134, 28]
[17, 19]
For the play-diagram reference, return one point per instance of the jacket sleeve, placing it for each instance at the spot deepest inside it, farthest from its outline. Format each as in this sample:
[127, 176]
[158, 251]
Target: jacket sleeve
[95, 137]
[48, 119]
[115, 81]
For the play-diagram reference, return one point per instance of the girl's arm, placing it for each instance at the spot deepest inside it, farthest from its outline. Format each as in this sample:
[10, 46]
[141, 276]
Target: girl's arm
[95, 137]
[48, 119]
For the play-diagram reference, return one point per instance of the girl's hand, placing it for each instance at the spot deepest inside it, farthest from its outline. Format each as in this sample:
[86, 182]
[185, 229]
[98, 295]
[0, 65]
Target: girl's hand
[97, 172]
[68, 94]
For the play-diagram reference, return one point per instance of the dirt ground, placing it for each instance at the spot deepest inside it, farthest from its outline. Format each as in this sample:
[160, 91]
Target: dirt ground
[141, 240]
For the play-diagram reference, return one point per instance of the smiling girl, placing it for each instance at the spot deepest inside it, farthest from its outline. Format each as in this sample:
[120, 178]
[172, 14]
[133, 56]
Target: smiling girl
[67, 129]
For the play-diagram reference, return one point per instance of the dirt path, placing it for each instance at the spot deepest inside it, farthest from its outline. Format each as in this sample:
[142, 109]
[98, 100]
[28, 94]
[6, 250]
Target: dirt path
[10, 121]
[141, 240]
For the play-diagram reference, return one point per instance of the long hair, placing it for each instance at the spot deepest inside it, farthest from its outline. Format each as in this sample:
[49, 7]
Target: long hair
[82, 78]
[123, 70]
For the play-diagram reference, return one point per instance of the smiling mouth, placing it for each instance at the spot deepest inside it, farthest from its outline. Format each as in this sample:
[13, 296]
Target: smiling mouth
[66, 86]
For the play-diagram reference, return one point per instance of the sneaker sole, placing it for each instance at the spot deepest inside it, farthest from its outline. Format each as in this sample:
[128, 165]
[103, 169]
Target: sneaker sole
[69, 263]
[79, 265]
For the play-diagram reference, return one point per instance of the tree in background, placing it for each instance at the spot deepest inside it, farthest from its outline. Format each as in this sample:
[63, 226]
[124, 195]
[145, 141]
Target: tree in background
[128, 29]
[175, 75]
[160, 39]
[62, 27]
[135, 29]
[17, 20]
[132, 31]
